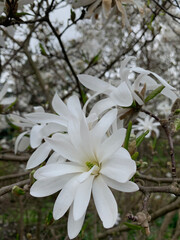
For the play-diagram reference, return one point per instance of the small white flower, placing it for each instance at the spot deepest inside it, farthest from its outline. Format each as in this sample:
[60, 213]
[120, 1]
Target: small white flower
[94, 163]
[164, 108]
[147, 124]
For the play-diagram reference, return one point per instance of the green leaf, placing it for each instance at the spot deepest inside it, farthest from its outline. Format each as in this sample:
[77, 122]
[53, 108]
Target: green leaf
[177, 111]
[133, 226]
[135, 156]
[10, 106]
[141, 138]
[21, 14]
[95, 59]
[43, 52]
[84, 97]
[49, 219]
[128, 133]
[73, 16]
[154, 93]
[177, 124]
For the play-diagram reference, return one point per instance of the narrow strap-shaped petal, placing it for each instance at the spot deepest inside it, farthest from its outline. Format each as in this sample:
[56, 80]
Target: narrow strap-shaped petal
[94, 83]
[103, 125]
[59, 106]
[18, 140]
[111, 144]
[82, 198]
[38, 117]
[57, 169]
[65, 198]
[48, 186]
[74, 227]
[64, 147]
[3, 91]
[36, 136]
[39, 155]
[122, 95]
[8, 100]
[123, 187]
[105, 202]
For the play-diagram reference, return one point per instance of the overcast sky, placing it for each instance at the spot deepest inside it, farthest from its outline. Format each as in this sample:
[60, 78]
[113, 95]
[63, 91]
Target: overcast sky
[62, 15]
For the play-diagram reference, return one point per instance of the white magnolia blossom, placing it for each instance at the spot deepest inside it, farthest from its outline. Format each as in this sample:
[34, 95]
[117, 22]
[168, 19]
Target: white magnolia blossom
[106, 7]
[5, 100]
[94, 162]
[126, 90]
[147, 123]
[164, 108]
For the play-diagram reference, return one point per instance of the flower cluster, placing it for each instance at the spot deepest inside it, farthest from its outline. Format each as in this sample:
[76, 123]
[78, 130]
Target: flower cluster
[83, 154]
[106, 8]
[126, 93]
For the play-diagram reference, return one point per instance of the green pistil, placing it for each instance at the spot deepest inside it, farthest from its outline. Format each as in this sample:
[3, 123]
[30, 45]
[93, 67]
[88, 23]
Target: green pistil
[89, 165]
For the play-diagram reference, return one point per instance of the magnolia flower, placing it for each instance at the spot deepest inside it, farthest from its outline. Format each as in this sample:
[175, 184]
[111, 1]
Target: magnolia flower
[3, 100]
[106, 7]
[164, 108]
[147, 124]
[94, 163]
[126, 91]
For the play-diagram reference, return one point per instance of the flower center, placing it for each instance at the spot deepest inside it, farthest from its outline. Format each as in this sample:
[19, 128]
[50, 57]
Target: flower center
[94, 165]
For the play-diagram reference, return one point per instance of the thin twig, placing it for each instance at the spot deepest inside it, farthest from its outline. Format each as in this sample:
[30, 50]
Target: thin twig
[7, 189]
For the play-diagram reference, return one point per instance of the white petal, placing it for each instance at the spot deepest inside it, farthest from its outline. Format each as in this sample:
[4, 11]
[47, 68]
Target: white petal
[23, 144]
[93, 83]
[57, 169]
[65, 198]
[18, 140]
[120, 166]
[111, 144]
[55, 158]
[82, 198]
[39, 156]
[47, 186]
[3, 91]
[74, 106]
[103, 125]
[122, 95]
[123, 187]
[60, 107]
[63, 147]
[8, 100]
[38, 117]
[50, 128]
[105, 202]
[74, 227]
[169, 93]
[36, 136]
[102, 105]
[141, 70]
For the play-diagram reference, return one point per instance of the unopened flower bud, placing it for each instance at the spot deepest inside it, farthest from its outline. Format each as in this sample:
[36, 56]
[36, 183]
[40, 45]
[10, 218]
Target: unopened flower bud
[18, 191]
